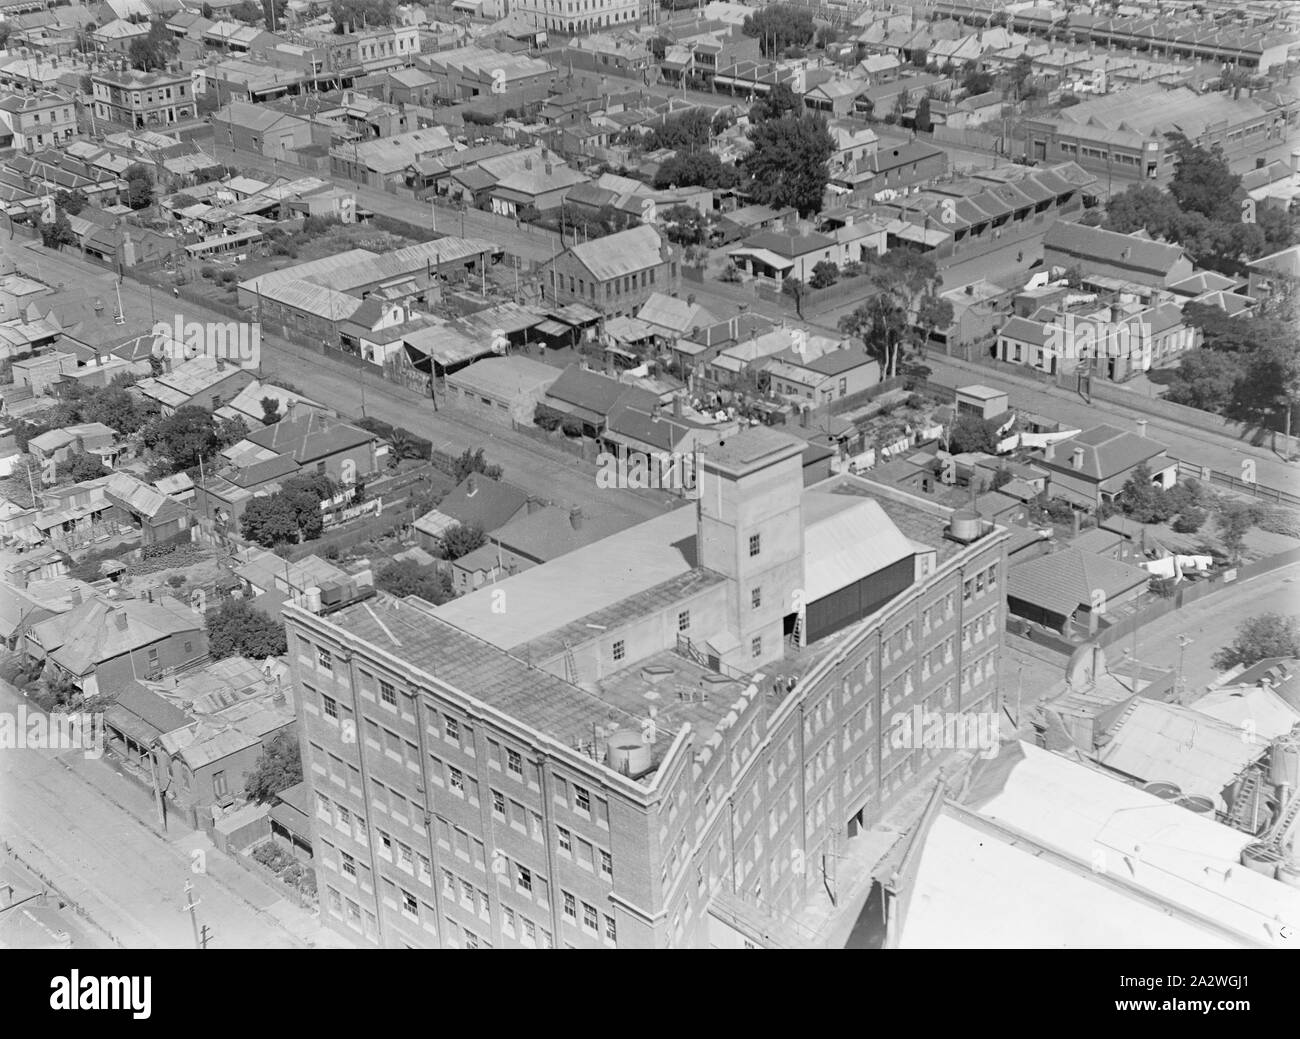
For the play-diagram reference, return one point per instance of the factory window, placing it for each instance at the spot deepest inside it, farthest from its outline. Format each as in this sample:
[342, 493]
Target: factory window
[451, 729]
[581, 799]
[684, 620]
[754, 544]
[525, 878]
[606, 865]
[756, 646]
[756, 598]
[514, 763]
[570, 907]
[610, 929]
[330, 706]
[620, 650]
[498, 803]
[326, 663]
[566, 840]
[387, 693]
[589, 918]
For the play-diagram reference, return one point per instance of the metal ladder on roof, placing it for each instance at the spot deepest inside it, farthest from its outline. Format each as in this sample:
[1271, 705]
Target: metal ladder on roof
[1247, 799]
[1281, 830]
[686, 648]
[570, 664]
[796, 636]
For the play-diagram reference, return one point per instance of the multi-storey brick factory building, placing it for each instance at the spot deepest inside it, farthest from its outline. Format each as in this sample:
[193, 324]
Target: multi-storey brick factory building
[602, 750]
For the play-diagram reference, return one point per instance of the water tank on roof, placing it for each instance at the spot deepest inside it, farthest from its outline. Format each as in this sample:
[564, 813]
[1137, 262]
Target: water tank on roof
[628, 753]
[1164, 791]
[312, 595]
[966, 525]
[1285, 761]
[1261, 858]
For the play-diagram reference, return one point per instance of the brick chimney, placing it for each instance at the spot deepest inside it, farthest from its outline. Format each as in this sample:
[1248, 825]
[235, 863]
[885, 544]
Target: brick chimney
[1076, 458]
[121, 619]
[575, 518]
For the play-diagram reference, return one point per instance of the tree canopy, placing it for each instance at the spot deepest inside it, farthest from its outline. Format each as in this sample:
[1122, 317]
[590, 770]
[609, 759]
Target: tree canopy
[238, 628]
[152, 52]
[788, 163]
[1259, 638]
[779, 27]
[278, 768]
[426, 582]
[695, 169]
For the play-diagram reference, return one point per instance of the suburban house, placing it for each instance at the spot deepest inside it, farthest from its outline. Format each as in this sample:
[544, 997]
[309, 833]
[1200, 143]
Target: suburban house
[777, 255]
[204, 382]
[101, 645]
[1269, 275]
[1071, 591]
[236, 709]
[315, 441]
[816, 381]
[158, 517]
[588, 398]
[615, 274]
[83, 438]
[477, 501]
[1132, 257]
[1093, 466]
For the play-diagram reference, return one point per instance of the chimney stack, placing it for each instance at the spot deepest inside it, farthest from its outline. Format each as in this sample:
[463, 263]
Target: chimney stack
[575, 518]
[677, 406]
[1076, 458]
[1142, 427]
[75, 596]
[471, 486]
[122, 620]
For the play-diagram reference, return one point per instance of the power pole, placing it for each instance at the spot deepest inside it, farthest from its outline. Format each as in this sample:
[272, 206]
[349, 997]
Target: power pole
[1181, 685]
[191, 905]
[157, 789]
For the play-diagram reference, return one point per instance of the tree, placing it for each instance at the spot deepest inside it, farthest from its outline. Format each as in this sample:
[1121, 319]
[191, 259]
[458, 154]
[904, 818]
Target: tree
[900, 279]
[824, 274]
[460, 540]
[186, 436]
[923, 122]
[139, 186]
[778, 101]
[1190, 520]
[976, 81]
[270, 521]
[238, 628]
[778, 27]
[1202, 182]
[685, 225]
[695, 169]
[71, 202]
[427, 582]
[972, 433]
[152, 52]
[659, 47]
[58, 232]
[114, 407]
[1235, 522]
[1260, 638]
[796, 290]
[270, 411]
[206, 10]
[1204, 379]
[1143, 500]
[401, 444]
[80, 466]
[474, 462]
[932, 312]
[682, 131]
[278, 768]
[788, 163]
[352, 15]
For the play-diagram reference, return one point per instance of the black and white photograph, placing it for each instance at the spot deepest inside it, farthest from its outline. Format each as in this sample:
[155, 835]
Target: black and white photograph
[651, 475]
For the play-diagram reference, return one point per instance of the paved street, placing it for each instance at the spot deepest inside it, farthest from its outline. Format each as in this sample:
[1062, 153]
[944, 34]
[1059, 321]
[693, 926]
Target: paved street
[1212, 624]
[81, 825]
[1203, 447]
[547, 472]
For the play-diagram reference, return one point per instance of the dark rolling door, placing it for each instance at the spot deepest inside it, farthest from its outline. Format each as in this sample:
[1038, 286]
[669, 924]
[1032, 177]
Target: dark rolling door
[851, 603]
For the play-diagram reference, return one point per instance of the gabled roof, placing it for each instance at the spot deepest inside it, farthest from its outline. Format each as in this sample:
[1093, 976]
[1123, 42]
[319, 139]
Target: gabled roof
[1107, 451]
[616, 255]
[597, 393]
[97, 630]
[483, 502]
[309, 437]
[1122, 250]
[1065, 580]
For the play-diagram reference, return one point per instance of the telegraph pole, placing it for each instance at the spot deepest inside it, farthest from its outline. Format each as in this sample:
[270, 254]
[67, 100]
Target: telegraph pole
[1183, 643]
[191, 905]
